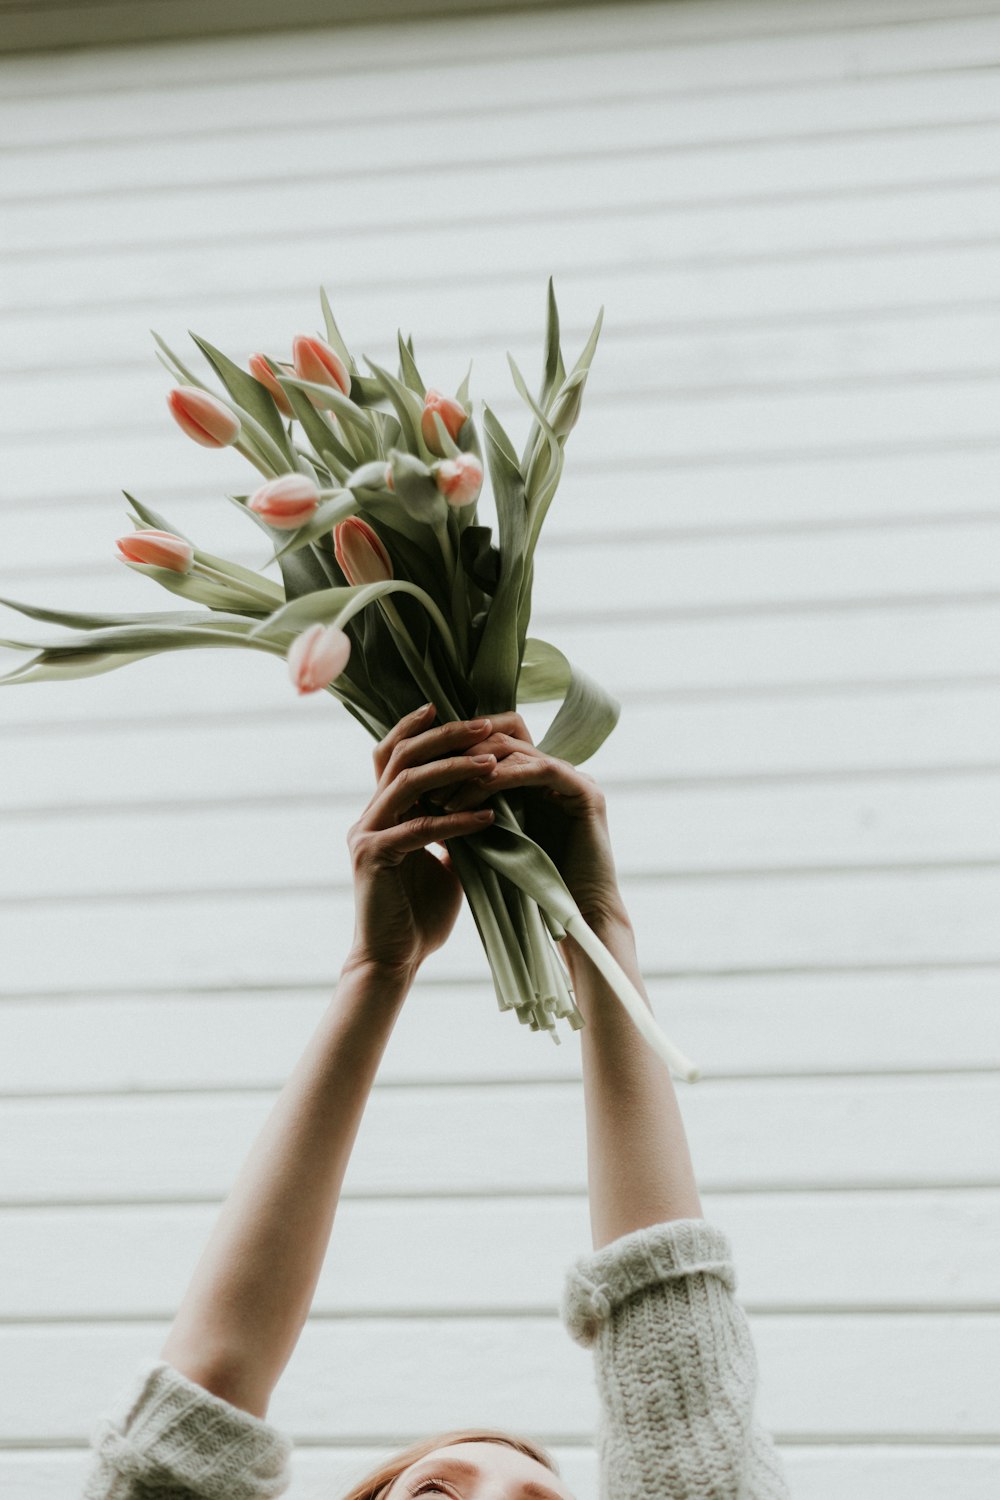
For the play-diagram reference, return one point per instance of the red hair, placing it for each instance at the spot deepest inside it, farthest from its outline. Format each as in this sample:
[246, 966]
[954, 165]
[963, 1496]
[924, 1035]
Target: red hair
[375, 1484]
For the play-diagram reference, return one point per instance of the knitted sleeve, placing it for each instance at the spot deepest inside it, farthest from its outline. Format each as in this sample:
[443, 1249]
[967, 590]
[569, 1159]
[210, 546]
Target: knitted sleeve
[169, 1439]
[675, 1366]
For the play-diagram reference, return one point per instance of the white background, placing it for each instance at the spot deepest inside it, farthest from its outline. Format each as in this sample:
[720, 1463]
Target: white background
[776, 540]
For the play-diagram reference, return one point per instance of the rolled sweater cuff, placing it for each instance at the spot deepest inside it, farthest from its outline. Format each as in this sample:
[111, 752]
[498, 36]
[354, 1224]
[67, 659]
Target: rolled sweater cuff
[168, 1432]
[598, 1283]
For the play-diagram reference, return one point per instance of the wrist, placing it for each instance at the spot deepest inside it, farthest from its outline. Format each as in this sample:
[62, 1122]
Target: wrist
[388, 978]
[615, 931]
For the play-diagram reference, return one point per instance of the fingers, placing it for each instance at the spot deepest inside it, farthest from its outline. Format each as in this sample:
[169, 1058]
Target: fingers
[388, 846]
[412, 741]
[521, 764]
[406, 787]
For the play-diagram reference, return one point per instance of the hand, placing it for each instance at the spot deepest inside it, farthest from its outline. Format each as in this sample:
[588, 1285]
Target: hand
[406, 897]
[565, 813]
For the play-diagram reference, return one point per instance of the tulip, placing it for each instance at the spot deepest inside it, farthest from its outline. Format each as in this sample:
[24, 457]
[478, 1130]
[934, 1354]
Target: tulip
[203, 416]
[157, 549]
[317, 657]
[452, 414]
[459, 479]
[317, 362]
[287, 502]
[261, 370]
[360, 553]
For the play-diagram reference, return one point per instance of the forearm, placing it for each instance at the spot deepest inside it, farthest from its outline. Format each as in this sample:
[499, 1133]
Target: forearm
[252, 1289]
[638, 1160]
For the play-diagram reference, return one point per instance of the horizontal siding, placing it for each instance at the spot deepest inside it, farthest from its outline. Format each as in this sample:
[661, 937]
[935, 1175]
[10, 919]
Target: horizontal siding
[776, 539]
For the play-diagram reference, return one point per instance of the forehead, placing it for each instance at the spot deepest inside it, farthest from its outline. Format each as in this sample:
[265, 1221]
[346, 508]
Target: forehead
[493, 1458]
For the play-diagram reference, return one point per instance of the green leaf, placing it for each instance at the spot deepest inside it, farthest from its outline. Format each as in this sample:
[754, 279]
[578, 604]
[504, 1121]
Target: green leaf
[146, 637]
[248, 393]
[498, 656]
[334, 337]
[408, 366]
[329, 514]
[554, 372]
[201, 590]
[408, 405]
[176, 366]
[43, 669]
[85, 620]
[325, 442]
[539, 491]
[462, 394]
[332, 400]
[588, 712]
[154, 519]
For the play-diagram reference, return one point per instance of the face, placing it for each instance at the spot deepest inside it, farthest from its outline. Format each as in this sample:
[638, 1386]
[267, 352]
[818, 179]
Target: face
[478, 1471]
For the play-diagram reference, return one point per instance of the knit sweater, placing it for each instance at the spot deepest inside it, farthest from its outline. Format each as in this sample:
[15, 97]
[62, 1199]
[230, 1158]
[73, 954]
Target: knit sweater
[676, 1375]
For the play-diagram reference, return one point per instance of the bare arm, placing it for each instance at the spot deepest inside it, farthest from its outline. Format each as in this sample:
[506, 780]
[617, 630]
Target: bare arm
[251, 1291]
[638, 1158]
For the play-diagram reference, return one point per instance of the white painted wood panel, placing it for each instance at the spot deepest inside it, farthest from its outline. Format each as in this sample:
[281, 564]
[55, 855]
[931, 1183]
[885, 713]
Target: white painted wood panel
[905, 1250]
[739, 1025]
[790, 213]
[511, 1139]
[838, 1375]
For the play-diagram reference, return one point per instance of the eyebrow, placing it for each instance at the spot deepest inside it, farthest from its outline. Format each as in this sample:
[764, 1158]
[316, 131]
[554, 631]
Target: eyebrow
[529, 1490]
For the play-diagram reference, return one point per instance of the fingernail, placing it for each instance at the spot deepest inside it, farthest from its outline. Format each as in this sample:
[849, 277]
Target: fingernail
[484, 816]
[426, 708]
[482, 760]
[477, 723]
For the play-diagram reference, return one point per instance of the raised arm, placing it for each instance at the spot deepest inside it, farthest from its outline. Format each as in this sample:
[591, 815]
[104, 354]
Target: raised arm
[252, 1288]
[675, 1363]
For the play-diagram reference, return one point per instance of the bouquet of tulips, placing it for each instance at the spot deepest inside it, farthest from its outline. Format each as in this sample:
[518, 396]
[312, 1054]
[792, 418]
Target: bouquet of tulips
[392, 594]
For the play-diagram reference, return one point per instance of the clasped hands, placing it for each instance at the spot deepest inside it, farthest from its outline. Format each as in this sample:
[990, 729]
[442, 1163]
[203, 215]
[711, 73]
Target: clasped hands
[432, 784]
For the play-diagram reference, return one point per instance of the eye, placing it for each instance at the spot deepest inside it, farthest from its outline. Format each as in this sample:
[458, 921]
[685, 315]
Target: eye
[429, 1487]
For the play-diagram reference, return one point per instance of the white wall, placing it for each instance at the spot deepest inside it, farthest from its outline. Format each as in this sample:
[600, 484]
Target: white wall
[776, 539]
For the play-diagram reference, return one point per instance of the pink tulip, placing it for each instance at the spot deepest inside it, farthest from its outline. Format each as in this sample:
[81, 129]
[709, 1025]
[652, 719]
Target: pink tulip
[360, 553]
[452, 414]
[203, 416]
[157, 549]
[260, 370]
[317, 362]
[317, 657]
[459, 479]
[286, 502]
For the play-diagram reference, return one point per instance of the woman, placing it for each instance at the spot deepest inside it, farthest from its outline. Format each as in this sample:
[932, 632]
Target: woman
[675, 1364]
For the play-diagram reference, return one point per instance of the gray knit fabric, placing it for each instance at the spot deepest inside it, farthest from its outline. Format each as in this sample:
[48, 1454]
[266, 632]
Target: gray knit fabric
[169, 1439]
[675, 1369]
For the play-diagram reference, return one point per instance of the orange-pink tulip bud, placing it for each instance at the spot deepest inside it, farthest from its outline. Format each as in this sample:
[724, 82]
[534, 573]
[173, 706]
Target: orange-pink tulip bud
[157, 549]
[452, 414]
[459, 479]
[286, 502]
[317, 362]
[261, 370]
[360, 553]
[203, 416]
[318, 656]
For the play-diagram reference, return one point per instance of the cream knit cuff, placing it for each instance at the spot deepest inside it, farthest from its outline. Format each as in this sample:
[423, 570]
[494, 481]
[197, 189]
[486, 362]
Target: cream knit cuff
[598, 1283]
[168, 1430]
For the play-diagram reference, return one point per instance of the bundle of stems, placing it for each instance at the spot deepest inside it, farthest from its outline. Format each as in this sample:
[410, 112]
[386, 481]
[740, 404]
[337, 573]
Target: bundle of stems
[392, 594]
